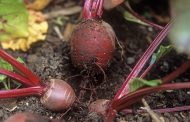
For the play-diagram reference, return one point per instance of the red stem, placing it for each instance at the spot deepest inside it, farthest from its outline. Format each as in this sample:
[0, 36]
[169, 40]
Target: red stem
[184, 67]
[92, 9]
[128, 7]
[16, 76]
[147, 70]
[162, 110]
[134, 97]
[36, 90]
[123, 90]
[142, 61]
[32, 77]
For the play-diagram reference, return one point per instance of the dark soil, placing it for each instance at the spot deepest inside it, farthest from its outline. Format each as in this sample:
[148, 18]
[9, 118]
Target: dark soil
[51, 59]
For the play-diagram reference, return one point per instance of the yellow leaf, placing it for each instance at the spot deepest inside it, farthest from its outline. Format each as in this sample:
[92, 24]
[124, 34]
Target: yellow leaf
[37, 4]
[38, 27]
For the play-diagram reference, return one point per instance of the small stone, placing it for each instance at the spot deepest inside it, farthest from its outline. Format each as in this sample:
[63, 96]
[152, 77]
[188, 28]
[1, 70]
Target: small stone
[169, 91]
[188, 92]
[130, 60]
[150, 29]
[27, 104]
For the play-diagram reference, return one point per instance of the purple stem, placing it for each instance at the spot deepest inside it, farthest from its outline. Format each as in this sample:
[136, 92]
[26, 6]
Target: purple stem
[134, 97]
[162, 110]
[184, 67]
[92, 9]
[36, 90]
[16, 76]
[128, 7]
[147, 70]
[32, 77]
[142, 61]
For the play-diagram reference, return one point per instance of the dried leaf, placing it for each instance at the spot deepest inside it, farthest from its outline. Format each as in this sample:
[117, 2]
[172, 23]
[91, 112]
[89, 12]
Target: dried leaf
[68, 31]
[37, 27]
[37, 4]
[13, 19]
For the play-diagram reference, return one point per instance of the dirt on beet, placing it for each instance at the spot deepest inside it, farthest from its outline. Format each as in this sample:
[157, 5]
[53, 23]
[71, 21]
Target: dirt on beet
[51, 59]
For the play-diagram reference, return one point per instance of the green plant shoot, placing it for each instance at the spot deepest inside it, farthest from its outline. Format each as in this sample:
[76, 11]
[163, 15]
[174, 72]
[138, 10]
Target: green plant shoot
[4, 79]
[138, 83]
[162, 51]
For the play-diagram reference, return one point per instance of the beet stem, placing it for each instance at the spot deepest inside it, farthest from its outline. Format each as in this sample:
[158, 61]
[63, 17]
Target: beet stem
[162, 110]
[184, 67]
[123, 90]
[129, 9]
[36, 90]
[92, 9]
[32, 77]
[142, 61]
[134, 97]
[147, 70]
[16, 76]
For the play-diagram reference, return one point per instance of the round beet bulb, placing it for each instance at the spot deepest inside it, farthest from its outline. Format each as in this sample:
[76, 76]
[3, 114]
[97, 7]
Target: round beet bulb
[60, 95]
[92, 44]
[99, 106]
[28, 117]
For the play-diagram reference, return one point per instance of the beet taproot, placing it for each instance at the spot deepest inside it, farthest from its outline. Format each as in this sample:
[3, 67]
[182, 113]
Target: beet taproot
[92, 44]
[93, 40]
[99, 106]
[56, 94]
[28, 117]
[59, 95]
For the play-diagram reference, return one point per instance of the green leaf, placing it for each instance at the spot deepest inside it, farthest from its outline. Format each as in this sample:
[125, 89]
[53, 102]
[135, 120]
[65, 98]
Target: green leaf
[137, 83]
[162, 51]
[128, 16]
[13, 19]
[7, 66]
[21, 60]
[4, 65]
[2, 78]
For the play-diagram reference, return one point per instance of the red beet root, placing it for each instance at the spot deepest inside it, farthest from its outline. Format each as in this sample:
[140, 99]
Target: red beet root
[92, 44]
[60, 95]
[99, 106]
[57, 95]
[28, 117]
[93, 40]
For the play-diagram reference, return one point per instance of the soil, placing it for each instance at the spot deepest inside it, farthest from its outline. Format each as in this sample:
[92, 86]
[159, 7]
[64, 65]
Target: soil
[51, 59]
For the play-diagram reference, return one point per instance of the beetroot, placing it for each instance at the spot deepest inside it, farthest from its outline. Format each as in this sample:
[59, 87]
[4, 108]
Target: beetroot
[60, 95]
[56, 94]
[99, 106]
[93, 40]
[28, 117]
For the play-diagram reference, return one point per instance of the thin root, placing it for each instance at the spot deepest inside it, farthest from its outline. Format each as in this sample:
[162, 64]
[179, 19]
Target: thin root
[122, 50]
[103, 72]
[155, 117]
